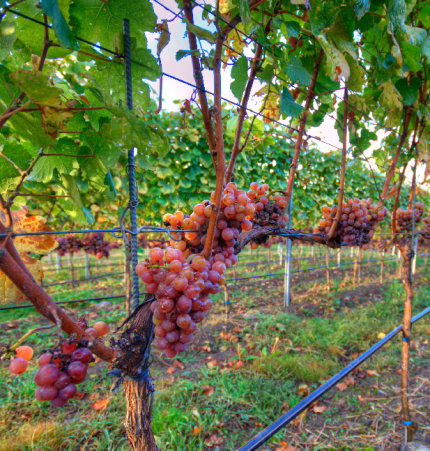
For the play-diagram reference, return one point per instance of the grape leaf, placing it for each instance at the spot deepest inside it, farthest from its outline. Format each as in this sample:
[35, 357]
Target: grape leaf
[100, 21]
[288, 105]
[244, 11]
[201, 33]
[408, 91]
[62, 30]
[7, 38]
[239, 73]
[297, 73]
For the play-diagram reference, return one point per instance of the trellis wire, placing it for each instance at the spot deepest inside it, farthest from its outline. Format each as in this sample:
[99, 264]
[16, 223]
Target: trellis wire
[271, 430]
[227, 280]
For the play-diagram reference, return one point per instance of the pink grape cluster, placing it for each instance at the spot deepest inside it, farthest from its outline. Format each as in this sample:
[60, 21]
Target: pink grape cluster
[269, 210]
[181, 278]
[95, 244]
[60, 371]
[358, 221]
[69, 244]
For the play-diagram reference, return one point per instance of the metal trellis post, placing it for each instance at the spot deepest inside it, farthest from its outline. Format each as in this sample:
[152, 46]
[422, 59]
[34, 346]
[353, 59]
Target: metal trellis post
[288, 245]
[131, 173]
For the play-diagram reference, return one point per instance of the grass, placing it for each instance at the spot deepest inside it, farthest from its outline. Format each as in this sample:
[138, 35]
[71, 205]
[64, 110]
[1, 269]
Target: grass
[279, 351]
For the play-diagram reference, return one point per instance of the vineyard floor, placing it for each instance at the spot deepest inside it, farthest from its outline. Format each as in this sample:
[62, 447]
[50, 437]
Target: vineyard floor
[245, 368]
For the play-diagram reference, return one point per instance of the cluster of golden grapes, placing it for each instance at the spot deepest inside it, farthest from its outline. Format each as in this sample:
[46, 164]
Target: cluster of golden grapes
[181, 278]
[357, 224]
[406, 218]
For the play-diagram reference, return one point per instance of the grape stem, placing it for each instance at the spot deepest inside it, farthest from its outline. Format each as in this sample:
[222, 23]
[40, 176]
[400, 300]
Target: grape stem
[12, 348]
[303, 118]
[336, 220]
[198, 78]
[237, 149]
[391, 170]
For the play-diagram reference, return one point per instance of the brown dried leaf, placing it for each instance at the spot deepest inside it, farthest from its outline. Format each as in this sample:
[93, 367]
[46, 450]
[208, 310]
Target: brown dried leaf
[319, 409]
[229, 337]
[171, 370]
[178, 364]
[208, 390]
[303, 390]
[286, 447]
[214, 440]
[341, 386]
[350, 380]
[373, 373]
[100, 404]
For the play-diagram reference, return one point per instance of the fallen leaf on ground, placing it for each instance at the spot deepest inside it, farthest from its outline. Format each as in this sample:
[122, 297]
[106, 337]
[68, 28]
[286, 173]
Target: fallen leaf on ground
[286, 447]
[240, 364]
[373, 373]
[285, 406]
[79, 395]
[229, 337]
[100, 404]
[350, 380]
[196, 430]
[171, 370]
[341, 386]
[178, 364]
[303, 390]
[319, 409]
[214, 440]
[208, 390]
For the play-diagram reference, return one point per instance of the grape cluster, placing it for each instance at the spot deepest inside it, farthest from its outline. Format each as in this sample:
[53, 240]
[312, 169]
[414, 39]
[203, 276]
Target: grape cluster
[95, 244]
[144, 243]
[181, 278]
[405, 218]
[61, 369]
[269, 210]
[358, 221]
[69, 244]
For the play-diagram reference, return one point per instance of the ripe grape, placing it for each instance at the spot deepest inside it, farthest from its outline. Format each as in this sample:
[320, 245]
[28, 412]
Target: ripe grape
[25, 352]
[67, 392]
[83, 355]
[47, 375]
[18, 365]
[46, 393]
[77, 371]
[101, 327]
[45, 358]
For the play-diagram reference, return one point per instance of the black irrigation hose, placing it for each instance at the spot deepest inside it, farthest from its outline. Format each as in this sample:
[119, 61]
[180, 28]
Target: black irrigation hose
[281, 422]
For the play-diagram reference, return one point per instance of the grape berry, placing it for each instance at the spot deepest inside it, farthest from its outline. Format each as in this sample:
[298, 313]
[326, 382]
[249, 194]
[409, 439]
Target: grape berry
[61, 369]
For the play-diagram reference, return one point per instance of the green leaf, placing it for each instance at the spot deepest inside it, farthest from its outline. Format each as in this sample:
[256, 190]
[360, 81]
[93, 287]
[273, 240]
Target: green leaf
[201, 33]
[239, 73]
[244, 11]
[288, 106]
[409, 91]
[356, 78]
[101, 21]
[81, 214]
[37, 86]
[62, 30]
[293, 28]
[183, 53]
[411, 56]
[7, 38]
[297, 72]
[425, 48]
[361, 7]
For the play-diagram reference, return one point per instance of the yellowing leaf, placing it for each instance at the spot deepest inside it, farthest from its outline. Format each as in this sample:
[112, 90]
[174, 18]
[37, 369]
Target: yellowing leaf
[208, 390]
[100, 404]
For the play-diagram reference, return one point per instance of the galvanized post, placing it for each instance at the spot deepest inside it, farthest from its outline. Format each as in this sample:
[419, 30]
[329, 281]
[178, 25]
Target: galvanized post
[131, 173]
[289, 246]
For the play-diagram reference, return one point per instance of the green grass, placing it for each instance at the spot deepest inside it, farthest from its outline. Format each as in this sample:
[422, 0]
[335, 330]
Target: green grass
[281, 351]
